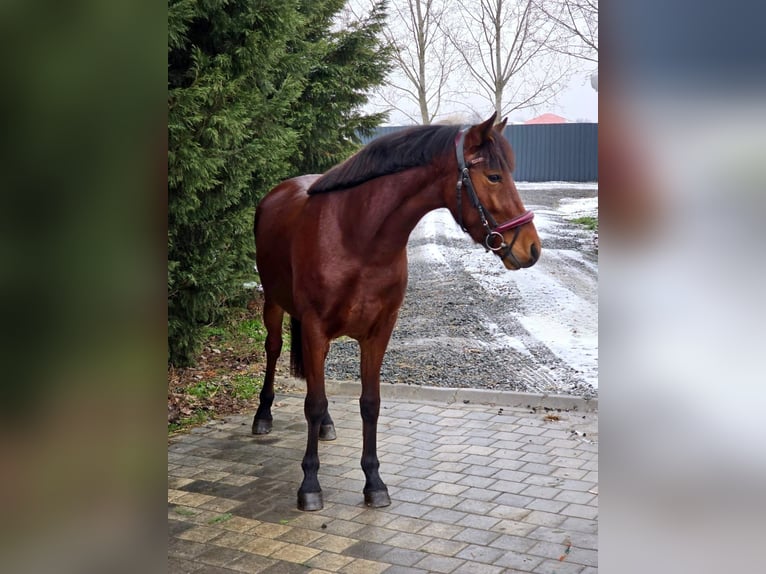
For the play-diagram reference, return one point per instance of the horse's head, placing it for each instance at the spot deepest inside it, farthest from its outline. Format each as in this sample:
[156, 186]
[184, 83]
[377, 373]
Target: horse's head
[486, 203]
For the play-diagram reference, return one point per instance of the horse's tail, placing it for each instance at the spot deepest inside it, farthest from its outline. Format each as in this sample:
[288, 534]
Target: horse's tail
[296, 349]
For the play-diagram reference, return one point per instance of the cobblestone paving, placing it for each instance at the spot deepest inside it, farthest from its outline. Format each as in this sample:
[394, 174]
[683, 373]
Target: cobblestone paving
[474, 488]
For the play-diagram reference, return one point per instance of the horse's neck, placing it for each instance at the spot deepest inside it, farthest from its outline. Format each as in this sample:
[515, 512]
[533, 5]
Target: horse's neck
[395, 208]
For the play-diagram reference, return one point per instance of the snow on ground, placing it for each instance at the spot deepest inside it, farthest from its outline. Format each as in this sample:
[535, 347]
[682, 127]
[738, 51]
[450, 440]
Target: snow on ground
[532, 185]
[558, 300]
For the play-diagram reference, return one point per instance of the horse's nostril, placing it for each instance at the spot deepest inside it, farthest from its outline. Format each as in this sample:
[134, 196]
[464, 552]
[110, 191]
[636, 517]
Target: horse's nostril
[535, 252]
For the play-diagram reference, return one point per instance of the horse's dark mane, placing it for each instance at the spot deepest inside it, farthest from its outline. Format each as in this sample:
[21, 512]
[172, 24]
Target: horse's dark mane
[388, 154]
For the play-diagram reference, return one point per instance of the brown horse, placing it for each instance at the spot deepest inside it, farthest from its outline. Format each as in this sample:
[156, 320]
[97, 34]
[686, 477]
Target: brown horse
[331, 252]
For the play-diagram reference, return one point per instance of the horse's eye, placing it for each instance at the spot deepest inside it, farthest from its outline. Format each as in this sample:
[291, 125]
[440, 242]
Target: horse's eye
[494, 178]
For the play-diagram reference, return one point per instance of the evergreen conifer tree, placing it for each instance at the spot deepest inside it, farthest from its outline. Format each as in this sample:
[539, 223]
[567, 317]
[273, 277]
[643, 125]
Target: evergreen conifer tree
[258, 91]
[347, 63]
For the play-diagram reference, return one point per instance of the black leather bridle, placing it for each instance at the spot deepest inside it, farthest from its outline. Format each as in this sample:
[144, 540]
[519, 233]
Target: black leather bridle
[494, 240]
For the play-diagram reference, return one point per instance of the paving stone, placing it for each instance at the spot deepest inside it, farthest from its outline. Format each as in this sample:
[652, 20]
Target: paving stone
[342, 527]
[477, 521]
[219, 556]
[514, 527]
[439, 530]
[295, 553]
[484, 494]
[200, 534]
[540, 491]
[186, 549]
[409, 509]
[329, 561]
[364, 567]
[404, 570]
[477, 568]
[374, 534]
[517, 561]
[443, 547]
[285, 568]
[299, 536]
[558, 567]
[477, 553]
[407, 524]
[403, 556]
[544, 518]
[447, 488]
[445, 564]
[263, 547]
[575, 496]
[444, 515]
[176, 527]
[476, 536]
[250, 563]
[505, 512]
[207, 569]
[546, 505]
[516, 543]
[407, 540]
[580, 524]
[581, 511]
[410, 495]
[442, 500]
[332, 543]
[181, 566]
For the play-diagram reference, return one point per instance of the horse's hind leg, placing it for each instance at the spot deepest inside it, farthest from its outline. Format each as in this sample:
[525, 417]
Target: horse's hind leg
[272, 319]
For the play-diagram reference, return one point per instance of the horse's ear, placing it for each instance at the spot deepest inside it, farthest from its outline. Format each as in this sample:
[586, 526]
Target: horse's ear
[485, 129]
[480, 133]
[500, 128]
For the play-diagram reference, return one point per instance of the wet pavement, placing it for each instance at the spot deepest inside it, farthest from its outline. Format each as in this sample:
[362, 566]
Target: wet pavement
[477, 485]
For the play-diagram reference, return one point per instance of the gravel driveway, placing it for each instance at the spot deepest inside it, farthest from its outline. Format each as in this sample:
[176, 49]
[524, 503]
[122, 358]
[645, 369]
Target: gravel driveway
[467, 322]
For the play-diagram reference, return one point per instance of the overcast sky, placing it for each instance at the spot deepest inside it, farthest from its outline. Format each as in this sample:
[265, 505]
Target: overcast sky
[579, 101]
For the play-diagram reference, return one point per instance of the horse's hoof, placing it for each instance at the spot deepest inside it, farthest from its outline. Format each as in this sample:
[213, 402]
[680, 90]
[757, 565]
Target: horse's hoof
[327, 432]
[310, 501]
[377, 498]
[261, 426]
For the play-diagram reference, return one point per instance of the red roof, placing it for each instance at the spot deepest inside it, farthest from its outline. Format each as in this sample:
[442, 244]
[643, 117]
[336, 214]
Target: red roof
[547, 119]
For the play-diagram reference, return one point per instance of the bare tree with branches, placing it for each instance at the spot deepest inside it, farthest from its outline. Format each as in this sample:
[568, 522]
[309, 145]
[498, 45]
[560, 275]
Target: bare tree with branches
[506, 47]
[423, 56]
[578, 20]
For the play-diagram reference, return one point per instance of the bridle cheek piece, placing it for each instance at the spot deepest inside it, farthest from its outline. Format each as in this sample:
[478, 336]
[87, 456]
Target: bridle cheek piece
[494, 240]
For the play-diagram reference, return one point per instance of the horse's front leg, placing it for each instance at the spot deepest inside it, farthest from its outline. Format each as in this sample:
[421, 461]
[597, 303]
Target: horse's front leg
[372, 351]
[315, 349]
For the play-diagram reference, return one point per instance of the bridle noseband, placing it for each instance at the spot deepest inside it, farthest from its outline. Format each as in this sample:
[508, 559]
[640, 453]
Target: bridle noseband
[494, 231]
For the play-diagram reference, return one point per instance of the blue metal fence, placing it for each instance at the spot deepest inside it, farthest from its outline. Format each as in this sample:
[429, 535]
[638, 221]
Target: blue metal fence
[546, 152]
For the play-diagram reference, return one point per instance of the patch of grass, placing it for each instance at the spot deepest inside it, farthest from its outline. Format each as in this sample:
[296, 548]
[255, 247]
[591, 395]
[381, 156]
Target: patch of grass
[213, 331]
[198, 417]
[252, 329]
[183, 511]
[220, 519]
[587, 221]
[203, 389]
[245, 386]
[228, 374]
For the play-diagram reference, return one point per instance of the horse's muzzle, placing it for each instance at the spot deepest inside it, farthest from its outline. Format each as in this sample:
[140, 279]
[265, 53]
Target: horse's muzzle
[514, 263]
